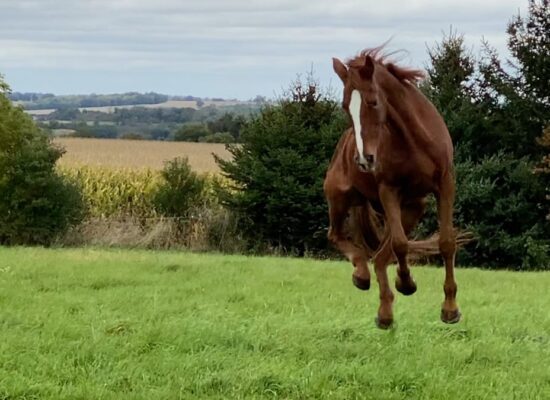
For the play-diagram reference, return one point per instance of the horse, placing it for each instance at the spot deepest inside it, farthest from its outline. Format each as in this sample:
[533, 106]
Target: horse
[396, 152]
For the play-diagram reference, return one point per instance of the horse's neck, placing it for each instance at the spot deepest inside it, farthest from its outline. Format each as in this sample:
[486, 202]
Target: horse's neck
[400, 97]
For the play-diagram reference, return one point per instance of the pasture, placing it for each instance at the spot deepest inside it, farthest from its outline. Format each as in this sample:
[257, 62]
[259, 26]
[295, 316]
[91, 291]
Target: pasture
[110, 324]
[119, 153]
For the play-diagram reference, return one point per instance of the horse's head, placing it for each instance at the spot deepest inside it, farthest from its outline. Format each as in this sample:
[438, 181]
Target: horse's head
[364, 104]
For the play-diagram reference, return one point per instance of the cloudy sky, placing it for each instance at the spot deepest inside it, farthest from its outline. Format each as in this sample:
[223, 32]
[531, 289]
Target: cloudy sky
[220, 48]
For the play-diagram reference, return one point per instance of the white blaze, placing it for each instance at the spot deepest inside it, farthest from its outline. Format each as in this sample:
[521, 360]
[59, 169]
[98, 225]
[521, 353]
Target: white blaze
[355, 111]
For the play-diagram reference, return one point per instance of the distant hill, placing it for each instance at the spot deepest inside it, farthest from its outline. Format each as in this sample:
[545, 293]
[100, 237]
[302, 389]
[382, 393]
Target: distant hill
[50, 102]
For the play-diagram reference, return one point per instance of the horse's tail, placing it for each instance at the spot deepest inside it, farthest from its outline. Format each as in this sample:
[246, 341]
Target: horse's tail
[425, 248]
[366, 229]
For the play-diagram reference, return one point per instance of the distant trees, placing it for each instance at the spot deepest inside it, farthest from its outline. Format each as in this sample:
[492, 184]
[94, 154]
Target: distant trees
[191, 133]
[210, 124]
[224, 129]
[35, 101]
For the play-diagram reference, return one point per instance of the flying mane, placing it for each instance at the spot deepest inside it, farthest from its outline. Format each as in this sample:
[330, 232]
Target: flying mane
[401, 73]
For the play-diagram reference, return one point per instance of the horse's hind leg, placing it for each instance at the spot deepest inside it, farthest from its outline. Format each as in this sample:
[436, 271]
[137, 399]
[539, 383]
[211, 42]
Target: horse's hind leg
[447, 246]
[338, 210]
[410, 215]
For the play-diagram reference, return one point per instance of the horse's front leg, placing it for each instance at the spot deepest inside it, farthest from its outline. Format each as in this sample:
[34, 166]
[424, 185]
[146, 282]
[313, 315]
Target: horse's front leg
[382, 258]
[338, 210]
[450, 313]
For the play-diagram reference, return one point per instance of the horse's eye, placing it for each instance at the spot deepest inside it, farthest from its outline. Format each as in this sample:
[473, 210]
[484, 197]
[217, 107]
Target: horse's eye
[372, 103]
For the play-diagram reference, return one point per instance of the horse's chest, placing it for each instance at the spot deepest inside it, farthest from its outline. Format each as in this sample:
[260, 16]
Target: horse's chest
[414, 177]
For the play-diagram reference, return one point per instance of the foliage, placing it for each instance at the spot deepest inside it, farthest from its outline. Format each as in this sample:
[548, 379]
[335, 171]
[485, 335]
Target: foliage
[529, 43]
[219, 137]
[191, 133]
[280, 167]
[543, 167]
[228, 123]
[180, 190]
[36, 204]
[498, 201]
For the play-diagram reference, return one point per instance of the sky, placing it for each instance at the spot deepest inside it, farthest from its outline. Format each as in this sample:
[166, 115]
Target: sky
[222, 48]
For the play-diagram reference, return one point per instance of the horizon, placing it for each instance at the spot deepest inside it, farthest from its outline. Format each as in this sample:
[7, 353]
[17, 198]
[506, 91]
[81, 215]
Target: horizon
[213, 49]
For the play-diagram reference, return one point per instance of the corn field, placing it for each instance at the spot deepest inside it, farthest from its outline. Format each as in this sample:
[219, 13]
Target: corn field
[111, 192]
[126, 192]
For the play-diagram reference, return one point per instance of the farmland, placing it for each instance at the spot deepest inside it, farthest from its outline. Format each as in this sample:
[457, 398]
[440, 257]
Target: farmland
[167, 104]
[138, 153]
[109, 324]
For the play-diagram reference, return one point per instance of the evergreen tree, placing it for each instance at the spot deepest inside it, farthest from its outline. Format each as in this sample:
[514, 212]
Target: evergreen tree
[279, 170]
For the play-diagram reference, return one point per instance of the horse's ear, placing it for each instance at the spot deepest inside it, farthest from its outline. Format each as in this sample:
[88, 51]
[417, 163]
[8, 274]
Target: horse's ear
[367, 70]
[340, 69]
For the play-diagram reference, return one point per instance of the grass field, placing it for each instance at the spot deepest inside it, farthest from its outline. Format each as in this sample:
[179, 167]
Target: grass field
[110, 324]
[138, 153]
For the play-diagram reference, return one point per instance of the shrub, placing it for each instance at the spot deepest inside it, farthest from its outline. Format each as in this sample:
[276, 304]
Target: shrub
[180, 190]
[36, 204]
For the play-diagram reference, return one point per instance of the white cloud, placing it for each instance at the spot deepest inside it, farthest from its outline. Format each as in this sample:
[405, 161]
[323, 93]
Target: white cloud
[242, 39]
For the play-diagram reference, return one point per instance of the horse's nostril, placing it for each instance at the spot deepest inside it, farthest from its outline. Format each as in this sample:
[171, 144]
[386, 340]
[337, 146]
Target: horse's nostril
[369, 158]
[356, 159]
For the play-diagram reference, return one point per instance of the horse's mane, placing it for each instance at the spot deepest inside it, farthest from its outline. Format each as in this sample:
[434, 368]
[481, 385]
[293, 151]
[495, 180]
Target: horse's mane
[381, 58]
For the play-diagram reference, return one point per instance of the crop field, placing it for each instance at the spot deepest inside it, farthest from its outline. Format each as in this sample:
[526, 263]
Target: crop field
[138, 153]
[112, 324]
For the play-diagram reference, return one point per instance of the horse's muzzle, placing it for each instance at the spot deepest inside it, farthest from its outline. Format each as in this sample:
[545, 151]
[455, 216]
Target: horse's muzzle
[367, 164]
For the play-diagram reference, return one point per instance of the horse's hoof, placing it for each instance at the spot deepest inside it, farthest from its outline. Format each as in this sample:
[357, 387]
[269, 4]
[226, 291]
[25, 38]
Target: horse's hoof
[450, 317]
[383, 323]
[405, 287]
[360, 283]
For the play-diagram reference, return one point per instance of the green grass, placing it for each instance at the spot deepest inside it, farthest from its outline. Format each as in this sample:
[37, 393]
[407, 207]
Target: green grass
[109, 324]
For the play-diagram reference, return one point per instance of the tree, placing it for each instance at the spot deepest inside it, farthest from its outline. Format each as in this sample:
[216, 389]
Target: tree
[191, 133]
[36, 204]
[529, 43]
[279, 169]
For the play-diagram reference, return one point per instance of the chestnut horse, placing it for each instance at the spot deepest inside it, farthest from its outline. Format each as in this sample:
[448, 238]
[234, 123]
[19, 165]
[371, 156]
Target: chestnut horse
[397, 153]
